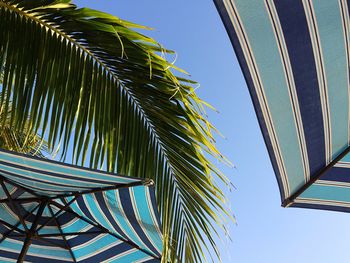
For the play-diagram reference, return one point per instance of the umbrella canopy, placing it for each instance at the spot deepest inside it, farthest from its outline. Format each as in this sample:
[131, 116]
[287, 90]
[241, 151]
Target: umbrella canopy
[295, 59]
[53, 212]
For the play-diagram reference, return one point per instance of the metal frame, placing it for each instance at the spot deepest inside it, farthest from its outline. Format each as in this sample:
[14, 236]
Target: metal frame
[288, 201]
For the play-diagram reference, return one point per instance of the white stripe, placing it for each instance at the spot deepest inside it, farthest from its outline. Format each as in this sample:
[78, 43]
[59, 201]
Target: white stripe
[112, 176]
[293, 96]
[139, 220]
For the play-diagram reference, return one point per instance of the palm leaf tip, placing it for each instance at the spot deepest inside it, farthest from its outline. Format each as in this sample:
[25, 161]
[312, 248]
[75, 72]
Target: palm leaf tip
[87, 80]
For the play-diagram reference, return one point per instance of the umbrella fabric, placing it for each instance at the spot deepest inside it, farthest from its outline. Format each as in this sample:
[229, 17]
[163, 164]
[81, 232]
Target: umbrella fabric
[295, 58]
[53, 212]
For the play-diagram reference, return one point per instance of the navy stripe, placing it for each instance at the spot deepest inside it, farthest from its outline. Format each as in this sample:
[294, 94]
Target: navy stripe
[322, 207]
[124, 195]
[152, 261]
[3, 229]
[65, 165]
[102, 204]
[82, 239]
[50, 242]
[41, 220]
[50, 183]
[248, 78]
[109, 253]
[7, 254]
[68, 184]
[65, 218]
[297, 37]
[154, 207]
[43, 259]
[70, 177]
[82, 205]
[337, 174]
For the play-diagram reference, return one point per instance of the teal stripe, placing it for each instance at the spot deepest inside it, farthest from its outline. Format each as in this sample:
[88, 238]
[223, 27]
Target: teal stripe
[144, 211]
[45, 186]
[43, 251]
[50, 179]
[5, 260]
[116, 209]
[101, 244]
[263, 43]
[346, 158]
[332, 38]
[329, 193]
[130, 257]
[11, 245]
[76, 226]
[6, 216]
[67, 170]
[49, 230]
[90, 203]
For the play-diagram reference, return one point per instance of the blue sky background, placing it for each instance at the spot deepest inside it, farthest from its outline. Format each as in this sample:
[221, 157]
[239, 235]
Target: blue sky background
[265, 232]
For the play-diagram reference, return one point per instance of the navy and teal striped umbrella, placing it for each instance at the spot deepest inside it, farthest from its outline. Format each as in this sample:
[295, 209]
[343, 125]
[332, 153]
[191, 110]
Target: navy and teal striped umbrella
[53, 212]
[295, 58]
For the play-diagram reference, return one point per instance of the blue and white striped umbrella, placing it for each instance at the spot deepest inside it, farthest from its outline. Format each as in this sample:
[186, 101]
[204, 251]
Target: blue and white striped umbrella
[53, 212]
[295, 58]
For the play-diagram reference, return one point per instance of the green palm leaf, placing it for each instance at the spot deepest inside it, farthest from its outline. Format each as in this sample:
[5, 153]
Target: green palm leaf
[89, 81]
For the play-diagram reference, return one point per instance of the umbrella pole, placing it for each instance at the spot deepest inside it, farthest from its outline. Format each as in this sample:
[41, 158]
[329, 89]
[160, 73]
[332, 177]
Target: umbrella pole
[24, 250]
[30, 233]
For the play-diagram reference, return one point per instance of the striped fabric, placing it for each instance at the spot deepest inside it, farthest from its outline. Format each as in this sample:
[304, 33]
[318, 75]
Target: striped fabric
[295, 59]
[53, 212]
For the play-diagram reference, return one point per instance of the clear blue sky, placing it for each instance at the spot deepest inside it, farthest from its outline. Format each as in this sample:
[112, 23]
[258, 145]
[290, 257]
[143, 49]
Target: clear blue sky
[265, 232]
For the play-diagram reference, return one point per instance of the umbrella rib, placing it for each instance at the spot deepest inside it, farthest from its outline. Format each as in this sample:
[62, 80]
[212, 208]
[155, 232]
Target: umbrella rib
[11, 226]
[62, 234]
[105, 230]
[56, 214]
[14, 206]
[288, 201]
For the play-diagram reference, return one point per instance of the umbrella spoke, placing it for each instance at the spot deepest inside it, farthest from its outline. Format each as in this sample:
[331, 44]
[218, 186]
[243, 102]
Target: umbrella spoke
[8, 233]
[57, 213]
[11, 226]
[62, 234]
[14, 206]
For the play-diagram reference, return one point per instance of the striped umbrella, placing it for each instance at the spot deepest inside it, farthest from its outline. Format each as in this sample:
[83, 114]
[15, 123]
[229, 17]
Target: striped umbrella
[295, 59]
[53, 212]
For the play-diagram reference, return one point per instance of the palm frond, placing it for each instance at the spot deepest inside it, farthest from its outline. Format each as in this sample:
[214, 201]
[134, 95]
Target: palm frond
[89, 81]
